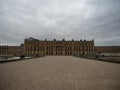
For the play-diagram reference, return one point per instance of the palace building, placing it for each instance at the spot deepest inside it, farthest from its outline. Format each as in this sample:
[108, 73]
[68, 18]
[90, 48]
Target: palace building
[35, 47]
[46, 47]
[10, 50]
[108, 50]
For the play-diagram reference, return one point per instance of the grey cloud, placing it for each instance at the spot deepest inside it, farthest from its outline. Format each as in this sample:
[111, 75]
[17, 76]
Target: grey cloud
[77, 19]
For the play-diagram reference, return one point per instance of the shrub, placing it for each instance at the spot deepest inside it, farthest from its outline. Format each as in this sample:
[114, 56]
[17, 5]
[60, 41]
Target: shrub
[22, 56]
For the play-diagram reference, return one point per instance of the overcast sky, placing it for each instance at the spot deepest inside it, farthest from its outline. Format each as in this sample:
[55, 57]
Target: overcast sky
[69, 19]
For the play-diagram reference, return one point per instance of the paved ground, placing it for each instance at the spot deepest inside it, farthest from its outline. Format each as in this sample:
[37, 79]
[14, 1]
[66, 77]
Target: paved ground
[59, 73]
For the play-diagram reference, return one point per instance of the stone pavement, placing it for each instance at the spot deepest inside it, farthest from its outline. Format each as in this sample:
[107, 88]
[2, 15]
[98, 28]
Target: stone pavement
[59, 73]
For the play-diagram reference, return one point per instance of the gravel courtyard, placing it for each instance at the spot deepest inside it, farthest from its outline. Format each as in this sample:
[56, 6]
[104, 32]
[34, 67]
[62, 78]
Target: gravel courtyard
[59, 73]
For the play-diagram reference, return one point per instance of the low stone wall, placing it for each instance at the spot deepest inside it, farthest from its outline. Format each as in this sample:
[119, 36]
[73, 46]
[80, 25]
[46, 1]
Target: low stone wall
[110, 54]
[114, 59]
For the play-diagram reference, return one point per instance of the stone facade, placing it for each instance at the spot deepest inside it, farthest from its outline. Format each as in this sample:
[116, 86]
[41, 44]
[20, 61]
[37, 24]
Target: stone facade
[10, 50]
[4, 50]
[44, 47]
[35, 47]
[108, 50]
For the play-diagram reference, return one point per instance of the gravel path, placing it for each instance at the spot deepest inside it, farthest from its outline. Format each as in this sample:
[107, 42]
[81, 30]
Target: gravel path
[59, 73]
